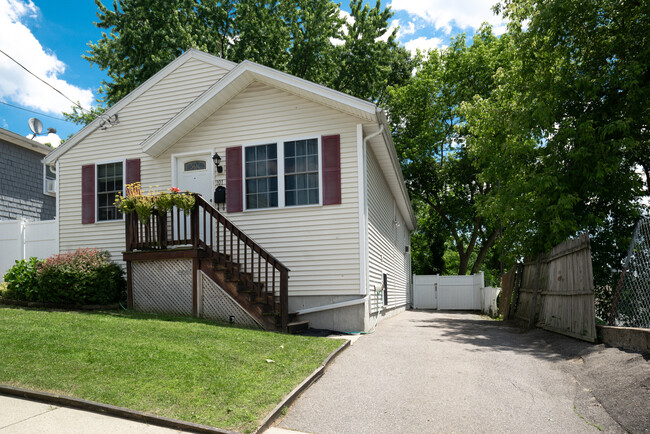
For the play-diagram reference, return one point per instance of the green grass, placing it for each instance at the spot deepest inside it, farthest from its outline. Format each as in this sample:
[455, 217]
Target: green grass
[181, 368]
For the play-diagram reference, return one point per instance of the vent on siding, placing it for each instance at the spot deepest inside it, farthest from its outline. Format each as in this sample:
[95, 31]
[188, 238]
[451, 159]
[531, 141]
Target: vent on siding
[385, 284]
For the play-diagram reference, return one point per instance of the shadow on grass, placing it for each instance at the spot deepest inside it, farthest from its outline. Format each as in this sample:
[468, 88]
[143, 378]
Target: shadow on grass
[135, 315]
[492, 335]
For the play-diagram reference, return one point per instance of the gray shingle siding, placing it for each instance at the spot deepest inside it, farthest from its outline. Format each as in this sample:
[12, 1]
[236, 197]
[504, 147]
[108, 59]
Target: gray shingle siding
[21, 185]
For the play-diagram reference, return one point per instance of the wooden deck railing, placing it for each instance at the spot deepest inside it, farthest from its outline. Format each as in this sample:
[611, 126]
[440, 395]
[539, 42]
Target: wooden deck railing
[207, 229]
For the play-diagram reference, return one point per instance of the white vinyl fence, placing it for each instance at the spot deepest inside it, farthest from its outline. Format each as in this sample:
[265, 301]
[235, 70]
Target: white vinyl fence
[20, 239]
[453, 293]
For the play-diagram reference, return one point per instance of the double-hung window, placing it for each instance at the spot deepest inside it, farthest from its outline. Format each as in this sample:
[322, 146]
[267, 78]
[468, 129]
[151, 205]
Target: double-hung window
[110, 181]
[282, 174]
[301, 172]
[261, 176]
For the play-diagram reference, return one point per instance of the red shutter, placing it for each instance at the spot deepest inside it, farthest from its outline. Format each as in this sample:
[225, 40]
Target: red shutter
[132, 171]
[331, 147]
[88, 194]
[234, 192]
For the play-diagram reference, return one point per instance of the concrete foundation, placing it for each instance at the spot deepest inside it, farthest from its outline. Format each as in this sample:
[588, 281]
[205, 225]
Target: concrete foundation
[629, 338]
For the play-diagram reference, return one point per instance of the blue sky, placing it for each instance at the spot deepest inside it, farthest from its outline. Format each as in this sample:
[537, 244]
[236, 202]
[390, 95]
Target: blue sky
[49, 37]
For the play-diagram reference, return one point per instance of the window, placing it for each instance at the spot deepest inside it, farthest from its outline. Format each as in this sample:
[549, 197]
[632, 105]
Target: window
[261, 172]
[49, 184]
[282, 174]
[301, 172]
[192, 166]
[109, 183]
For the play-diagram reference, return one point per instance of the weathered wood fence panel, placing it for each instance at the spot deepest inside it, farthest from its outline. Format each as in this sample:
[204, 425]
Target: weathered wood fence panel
[562, 290]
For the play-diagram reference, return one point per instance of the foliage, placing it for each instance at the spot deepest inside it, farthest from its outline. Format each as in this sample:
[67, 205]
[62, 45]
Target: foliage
[427, 242]
[22, 279]
[179, 368]
[305, 38]
[430, 135]
[145, 204]
[85, 276]
[570, 129]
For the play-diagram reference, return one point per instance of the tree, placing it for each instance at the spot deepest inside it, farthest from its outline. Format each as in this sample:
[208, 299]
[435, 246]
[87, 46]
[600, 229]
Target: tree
[294, 36]
[569, 124]
[430, 136]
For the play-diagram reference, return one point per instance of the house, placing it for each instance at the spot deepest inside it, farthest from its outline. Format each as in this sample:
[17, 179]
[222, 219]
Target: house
[25, 192]
[315, 200]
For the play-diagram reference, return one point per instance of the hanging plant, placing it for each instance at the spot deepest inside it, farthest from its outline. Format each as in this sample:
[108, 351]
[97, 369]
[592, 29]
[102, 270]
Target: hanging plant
[145, 204]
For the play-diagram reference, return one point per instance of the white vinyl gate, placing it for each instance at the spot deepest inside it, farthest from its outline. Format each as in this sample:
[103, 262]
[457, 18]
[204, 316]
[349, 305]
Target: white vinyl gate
[20, 239]
[448, 292]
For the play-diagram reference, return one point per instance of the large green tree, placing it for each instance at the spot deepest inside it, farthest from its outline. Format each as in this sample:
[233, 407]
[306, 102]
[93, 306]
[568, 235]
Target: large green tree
[306, 38]
[430, 134]
[564, 136]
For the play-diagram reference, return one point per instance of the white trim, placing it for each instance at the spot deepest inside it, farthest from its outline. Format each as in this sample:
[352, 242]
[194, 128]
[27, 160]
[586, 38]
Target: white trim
[58, 206]
[45, 192]
[363, 223]
[332, 306]
[192, 53]
[279, 143]
[123, 161]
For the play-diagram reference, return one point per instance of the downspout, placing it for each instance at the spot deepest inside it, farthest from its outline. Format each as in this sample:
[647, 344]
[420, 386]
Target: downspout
[365, 297]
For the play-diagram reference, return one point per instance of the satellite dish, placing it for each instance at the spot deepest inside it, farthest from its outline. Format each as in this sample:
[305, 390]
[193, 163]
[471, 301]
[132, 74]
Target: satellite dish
[36, 126]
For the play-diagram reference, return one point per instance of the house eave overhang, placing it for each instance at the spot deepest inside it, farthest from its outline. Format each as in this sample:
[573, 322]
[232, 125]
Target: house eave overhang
[24, 142]
[384, 148]
[237, 80]
[192, 53]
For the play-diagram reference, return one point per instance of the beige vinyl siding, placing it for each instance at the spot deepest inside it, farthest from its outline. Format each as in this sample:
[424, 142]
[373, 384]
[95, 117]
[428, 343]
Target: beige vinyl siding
[320, 244]
[386, 240]
[137, 121]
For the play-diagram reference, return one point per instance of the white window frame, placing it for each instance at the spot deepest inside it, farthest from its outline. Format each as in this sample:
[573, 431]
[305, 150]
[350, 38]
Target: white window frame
[101, 163]
[279, 142]
[56, 180]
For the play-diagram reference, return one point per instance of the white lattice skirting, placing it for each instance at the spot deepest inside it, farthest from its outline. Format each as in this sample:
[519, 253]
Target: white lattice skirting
[218, 305]
[163, 286]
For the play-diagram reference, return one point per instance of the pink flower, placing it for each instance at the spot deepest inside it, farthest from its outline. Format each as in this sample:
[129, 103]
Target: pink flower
[175, 190]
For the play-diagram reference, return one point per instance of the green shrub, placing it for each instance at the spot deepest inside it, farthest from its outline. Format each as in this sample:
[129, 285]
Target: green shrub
[22, 279]
[85, 276]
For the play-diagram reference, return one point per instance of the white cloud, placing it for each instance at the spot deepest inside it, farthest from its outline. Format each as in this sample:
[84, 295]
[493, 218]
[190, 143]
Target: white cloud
[17, 85]
[423, 44]
[444, 14]
[51, 138]
[349, 21]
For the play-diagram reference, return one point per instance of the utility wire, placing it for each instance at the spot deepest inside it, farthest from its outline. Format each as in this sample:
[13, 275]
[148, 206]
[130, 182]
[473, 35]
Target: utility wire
[57, 90]
[38, 113]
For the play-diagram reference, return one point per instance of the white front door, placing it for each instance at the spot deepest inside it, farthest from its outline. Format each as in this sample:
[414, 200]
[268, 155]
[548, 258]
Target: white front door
[194, 174]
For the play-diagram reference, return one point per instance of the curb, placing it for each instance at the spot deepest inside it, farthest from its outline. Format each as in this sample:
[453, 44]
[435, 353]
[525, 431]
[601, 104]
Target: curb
[288, 400]
[109, 410]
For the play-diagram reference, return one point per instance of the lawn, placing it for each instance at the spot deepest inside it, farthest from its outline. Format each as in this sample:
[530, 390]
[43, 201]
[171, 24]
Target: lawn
[181, 368]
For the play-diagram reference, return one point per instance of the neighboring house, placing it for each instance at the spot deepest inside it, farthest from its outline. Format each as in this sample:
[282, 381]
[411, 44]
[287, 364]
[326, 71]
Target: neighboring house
[24, 190]
[311, 175]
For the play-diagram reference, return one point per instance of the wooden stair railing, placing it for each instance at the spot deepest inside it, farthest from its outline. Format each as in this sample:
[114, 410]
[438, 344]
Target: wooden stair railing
[207, 229]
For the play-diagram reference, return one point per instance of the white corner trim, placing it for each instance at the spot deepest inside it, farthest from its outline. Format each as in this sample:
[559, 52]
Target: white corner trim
[363, 214]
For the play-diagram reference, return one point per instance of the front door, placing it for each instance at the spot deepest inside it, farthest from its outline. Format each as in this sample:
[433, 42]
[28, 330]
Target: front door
[194, 174]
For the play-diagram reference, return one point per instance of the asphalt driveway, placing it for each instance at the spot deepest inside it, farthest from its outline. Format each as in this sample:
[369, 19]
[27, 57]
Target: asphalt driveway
[427, 371]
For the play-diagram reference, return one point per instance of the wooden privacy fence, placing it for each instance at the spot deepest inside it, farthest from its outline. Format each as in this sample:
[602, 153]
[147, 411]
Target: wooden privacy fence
[554, 291]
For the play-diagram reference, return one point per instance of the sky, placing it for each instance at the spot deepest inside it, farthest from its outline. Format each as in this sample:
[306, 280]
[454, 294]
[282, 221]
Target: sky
[49, 37]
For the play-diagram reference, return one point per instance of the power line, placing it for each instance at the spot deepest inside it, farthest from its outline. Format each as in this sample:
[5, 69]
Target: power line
[57, 90]
[38, 113]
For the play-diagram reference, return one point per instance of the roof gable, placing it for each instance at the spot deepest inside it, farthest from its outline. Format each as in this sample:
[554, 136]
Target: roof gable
[237, 80]
[139, 91]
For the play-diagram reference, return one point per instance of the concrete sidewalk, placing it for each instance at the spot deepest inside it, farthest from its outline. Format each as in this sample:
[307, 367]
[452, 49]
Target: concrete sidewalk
[25, 416]
[458, 372]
